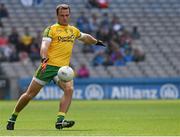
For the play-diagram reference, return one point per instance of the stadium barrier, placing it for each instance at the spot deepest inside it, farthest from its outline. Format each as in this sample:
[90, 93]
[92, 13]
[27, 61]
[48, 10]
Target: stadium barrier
[4, 88]
[114, 88]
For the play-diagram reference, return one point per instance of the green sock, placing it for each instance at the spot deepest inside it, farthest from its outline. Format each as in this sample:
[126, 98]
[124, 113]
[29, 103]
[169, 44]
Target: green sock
[60, 116]
[13, 117]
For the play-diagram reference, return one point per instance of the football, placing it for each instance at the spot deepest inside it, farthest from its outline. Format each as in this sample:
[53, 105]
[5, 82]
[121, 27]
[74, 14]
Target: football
[66, 73]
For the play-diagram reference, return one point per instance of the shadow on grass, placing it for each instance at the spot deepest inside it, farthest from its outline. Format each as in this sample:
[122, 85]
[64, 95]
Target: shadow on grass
[54, 130]
[50, 132]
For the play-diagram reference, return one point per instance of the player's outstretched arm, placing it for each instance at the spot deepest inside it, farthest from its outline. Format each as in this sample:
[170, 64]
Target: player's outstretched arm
[90, 40]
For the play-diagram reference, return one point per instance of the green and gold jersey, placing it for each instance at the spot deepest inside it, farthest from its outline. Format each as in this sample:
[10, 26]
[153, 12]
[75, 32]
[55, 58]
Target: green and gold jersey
[62, 40]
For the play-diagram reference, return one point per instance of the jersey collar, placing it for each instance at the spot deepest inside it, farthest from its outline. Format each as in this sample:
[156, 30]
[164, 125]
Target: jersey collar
[62, 25]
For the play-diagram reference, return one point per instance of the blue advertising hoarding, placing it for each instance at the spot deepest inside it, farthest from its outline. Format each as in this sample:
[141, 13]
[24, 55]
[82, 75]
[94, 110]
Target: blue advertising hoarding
[128, 88]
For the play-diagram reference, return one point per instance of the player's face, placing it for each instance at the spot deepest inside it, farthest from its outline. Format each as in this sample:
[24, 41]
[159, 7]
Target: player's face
[63, 16]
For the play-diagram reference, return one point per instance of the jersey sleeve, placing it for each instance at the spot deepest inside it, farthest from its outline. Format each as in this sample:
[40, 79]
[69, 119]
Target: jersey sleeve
[48, 32]
[77, 33]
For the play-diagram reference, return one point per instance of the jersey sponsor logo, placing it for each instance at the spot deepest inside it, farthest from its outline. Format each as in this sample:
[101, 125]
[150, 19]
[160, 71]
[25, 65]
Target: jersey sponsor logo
[58, 31]
[67, 38]
[169, 91]
[94, 91]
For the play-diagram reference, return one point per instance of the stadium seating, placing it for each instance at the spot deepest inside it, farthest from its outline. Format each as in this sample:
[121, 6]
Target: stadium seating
[158, 22]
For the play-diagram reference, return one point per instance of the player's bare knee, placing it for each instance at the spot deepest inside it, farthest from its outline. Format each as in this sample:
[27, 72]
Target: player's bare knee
[68, 90]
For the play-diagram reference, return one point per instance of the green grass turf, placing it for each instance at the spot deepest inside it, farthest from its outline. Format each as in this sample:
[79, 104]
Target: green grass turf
[135, 117]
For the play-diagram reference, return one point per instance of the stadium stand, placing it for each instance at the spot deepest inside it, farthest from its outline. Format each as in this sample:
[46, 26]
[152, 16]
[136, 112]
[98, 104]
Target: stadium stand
[158, 23]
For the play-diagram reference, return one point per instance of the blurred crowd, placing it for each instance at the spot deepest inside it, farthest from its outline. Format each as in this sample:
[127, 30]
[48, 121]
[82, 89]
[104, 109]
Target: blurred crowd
[3, 13]
[120, 47]
[102, 4]
[15, 47]
[120, 41]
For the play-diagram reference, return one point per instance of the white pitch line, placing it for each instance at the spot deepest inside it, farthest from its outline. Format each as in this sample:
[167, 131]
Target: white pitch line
[89, 136]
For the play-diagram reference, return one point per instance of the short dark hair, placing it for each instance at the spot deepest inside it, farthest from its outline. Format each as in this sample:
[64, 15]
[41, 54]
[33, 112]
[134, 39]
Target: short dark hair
[62, 6]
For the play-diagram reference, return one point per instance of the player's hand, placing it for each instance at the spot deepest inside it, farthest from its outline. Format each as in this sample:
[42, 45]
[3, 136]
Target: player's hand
[44, 64]
[100, 43]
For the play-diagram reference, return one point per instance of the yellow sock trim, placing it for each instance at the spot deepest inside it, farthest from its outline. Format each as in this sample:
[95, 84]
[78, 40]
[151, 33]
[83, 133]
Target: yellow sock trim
[61, 113]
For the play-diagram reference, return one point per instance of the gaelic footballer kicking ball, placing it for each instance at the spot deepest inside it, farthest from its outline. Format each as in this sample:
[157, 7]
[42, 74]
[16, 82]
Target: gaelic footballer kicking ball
[66, 73]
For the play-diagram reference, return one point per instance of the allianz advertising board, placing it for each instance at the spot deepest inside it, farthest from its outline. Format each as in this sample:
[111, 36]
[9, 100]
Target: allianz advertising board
[98, 91]
[114, 89]
[117, 89]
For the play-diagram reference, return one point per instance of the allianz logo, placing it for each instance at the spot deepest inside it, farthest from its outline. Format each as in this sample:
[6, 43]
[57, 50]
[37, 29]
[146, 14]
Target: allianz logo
[94, 91]
[169, 91]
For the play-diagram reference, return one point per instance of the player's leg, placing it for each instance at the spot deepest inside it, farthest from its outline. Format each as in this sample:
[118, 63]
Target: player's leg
[65, 102]
[31, 92]
[39, 80]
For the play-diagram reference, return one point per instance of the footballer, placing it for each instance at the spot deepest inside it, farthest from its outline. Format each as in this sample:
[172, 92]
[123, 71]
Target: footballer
[56, 49]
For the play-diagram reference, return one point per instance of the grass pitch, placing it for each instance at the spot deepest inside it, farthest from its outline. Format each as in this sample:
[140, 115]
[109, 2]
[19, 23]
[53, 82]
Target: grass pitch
[113, 118]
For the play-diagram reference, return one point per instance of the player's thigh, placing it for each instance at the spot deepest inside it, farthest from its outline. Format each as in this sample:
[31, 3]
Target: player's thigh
[66, 86]
[34, 88]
